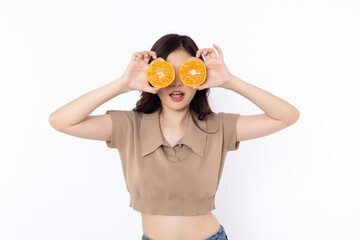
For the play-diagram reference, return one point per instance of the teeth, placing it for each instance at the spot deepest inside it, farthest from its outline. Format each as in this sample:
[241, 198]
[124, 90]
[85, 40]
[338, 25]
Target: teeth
[176, 96]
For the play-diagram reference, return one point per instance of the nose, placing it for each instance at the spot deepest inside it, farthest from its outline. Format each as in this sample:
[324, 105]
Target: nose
[177, 82]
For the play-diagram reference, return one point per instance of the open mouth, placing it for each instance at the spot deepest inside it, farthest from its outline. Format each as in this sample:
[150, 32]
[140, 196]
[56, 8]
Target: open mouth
[176, 95]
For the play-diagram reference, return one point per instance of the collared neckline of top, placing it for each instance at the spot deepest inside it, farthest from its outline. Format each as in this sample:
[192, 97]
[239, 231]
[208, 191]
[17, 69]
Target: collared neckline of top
[152, 138]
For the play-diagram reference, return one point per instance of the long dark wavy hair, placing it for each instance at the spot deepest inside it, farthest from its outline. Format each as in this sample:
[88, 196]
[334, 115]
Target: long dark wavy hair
[149, 103]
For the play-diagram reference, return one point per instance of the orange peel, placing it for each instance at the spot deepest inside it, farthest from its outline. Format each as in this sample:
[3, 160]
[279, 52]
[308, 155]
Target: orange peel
[192, 72]
[160, 73]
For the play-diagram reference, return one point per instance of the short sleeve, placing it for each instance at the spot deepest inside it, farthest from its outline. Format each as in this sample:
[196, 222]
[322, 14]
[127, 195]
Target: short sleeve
[122, 124]
[229, 121]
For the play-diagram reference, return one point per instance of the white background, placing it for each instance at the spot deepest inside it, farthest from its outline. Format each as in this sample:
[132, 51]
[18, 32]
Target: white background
[299, 183]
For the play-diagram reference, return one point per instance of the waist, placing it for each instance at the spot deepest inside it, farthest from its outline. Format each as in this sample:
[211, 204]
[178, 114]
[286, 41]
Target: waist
[179, 227]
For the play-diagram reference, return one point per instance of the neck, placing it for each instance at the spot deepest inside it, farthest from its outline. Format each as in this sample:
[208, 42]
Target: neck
[175, 118]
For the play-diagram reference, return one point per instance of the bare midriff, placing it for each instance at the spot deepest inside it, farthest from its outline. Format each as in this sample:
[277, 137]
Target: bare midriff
[198, 227]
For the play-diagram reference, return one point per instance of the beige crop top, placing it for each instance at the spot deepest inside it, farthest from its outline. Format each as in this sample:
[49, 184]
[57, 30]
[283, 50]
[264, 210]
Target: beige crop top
[180, 180]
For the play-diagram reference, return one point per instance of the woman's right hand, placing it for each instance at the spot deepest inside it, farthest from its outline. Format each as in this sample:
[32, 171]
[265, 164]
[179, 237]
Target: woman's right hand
[134, 77]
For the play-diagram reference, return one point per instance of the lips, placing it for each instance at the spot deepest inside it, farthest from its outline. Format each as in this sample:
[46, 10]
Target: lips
[177, 91]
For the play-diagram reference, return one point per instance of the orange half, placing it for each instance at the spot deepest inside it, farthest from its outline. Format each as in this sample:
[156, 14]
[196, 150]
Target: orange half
[192, 72]
[160, 73]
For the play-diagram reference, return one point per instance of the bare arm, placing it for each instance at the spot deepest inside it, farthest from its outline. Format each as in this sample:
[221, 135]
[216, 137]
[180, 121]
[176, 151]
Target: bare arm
[273, 106]
[278, 115]
[73, 118]
[79, 109]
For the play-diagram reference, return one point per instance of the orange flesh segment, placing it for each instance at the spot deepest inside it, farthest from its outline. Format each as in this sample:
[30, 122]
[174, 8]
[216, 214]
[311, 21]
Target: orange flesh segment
[160, 74]
[192, 72]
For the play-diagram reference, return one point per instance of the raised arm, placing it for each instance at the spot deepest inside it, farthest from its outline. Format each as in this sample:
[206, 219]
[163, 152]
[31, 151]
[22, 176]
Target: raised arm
[278, 114]
[74, 117]
[79, 109]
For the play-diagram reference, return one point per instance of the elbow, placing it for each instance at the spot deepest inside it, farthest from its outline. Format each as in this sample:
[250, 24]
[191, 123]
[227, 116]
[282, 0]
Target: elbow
[294, 117]
[52, 121]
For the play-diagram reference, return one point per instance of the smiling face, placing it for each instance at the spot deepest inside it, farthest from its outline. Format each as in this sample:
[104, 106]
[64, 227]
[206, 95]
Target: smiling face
[176, 58]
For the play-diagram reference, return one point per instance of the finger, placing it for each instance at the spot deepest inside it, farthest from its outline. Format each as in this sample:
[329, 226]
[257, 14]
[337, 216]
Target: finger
[153, 54]
[213, 53]
[157, 59]
[221, 55]
[206, 52]
[201, 87]
[146, 56]
[207, 55]
[160, 59]
[199, 52]
[139, 56]
[134, 56]
[152, 90]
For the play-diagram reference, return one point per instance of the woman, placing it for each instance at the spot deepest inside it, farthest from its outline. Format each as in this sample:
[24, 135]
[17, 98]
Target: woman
[177, 126]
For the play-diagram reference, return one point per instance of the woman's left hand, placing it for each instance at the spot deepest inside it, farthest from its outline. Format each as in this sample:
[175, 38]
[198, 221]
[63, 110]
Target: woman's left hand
[217, 74]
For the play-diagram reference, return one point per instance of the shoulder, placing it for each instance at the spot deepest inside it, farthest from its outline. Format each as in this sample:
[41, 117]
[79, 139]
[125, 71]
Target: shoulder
[124, 113]
[225, 119]
[220, 117]
[125, 117]
[225, 116]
